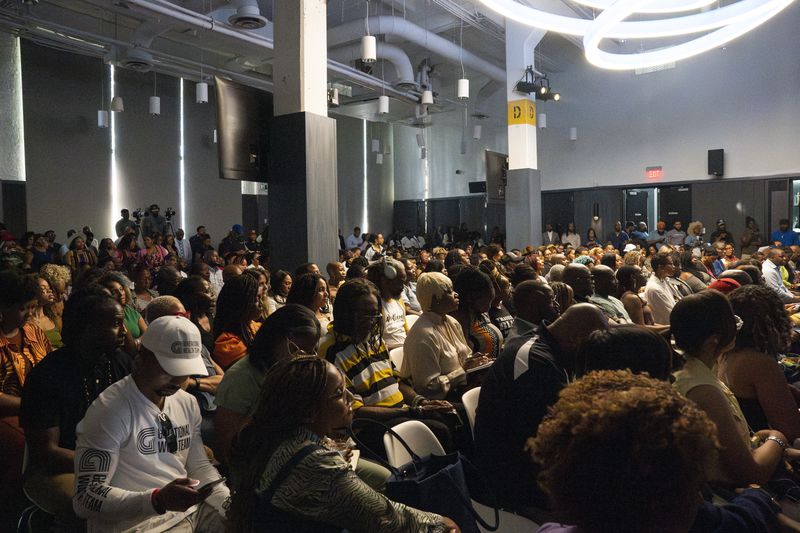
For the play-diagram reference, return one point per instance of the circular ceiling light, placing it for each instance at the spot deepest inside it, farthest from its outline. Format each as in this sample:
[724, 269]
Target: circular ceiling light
[723, 24]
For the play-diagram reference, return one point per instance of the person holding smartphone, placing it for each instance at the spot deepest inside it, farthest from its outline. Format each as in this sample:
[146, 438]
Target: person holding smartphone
[140, 463]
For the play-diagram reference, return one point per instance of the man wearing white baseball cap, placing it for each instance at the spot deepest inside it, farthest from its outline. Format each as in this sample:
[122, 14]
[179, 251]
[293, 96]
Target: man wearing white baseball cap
[139, 461]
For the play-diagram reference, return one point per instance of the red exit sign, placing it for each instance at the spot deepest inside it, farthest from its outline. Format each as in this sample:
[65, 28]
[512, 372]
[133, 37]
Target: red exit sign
[653, 173]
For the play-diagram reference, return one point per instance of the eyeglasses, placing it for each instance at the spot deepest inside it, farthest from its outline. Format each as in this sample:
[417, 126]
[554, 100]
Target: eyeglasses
[739, 322]
[168, 430]
[296, 351]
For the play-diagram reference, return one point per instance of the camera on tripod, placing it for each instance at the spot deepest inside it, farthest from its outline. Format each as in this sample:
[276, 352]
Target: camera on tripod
[169, 213]
[138, 215]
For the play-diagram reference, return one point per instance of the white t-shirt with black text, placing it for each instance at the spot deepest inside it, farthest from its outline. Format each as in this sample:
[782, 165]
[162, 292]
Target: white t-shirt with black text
[394, 322]
[122, 455]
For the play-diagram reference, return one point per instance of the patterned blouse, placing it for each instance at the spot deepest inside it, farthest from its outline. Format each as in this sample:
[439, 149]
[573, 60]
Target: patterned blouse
[325, 489]
[485, 337]
[15, 364]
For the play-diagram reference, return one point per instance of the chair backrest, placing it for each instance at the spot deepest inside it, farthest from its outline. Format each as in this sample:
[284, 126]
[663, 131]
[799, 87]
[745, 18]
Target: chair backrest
[396, 355]
[418, 437]
[470, 401]
[410, 320]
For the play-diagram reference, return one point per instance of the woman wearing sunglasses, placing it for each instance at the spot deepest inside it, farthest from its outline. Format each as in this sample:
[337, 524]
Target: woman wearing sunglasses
[291, 480]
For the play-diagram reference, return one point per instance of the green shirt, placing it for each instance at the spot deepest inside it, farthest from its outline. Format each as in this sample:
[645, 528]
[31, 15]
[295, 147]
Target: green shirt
[132, 317]
[240, 387]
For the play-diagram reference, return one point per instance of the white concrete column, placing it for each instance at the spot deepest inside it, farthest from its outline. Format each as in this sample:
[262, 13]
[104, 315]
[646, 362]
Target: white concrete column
[520, 44]
[12, 134]
[300, 66]
[524, 184]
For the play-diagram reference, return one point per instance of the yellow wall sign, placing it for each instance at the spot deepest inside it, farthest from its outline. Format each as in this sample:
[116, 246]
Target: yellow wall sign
[522, 112]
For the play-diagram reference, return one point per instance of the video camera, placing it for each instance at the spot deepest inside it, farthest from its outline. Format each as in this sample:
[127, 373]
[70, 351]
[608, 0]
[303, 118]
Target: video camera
[169, 213]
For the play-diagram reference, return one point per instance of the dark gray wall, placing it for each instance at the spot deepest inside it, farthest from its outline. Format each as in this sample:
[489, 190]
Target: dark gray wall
[69, 160]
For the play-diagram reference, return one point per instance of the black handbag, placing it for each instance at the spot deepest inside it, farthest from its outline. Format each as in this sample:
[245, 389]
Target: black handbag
[436, 484]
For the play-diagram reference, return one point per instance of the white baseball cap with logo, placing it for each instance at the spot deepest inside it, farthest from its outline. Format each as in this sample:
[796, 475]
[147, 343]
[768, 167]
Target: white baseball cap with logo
[176, 343]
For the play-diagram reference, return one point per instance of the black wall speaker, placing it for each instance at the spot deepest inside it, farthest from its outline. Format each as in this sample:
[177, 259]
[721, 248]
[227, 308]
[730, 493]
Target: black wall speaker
[716, 166]
[477, 186]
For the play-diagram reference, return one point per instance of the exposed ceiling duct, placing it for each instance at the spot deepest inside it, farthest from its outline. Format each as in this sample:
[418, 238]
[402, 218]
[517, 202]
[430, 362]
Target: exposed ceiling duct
[395, 55]
[354, 30]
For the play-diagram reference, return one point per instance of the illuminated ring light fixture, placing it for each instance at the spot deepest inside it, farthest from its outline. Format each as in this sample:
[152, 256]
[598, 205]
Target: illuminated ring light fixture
[722, 24]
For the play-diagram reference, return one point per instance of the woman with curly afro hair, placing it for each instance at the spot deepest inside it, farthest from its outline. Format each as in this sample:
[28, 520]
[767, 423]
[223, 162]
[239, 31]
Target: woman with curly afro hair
[626, 453]
[751, 369]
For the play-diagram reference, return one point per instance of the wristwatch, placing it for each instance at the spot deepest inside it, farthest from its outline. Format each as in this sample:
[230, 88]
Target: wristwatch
[196, 383]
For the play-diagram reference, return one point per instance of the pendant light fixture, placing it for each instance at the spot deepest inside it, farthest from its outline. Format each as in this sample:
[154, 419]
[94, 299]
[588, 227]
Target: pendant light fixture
[155, 101]
[369, 45]
[201, 88]
[427, 97]
[542, 121]
[117, 105]
[463, 83]
[102, 114]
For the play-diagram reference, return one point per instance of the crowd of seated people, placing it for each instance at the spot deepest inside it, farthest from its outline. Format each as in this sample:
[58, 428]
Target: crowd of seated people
[136, 370]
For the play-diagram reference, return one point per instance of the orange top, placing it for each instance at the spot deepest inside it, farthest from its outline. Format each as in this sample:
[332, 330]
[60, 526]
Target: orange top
[229, 348]
[14, 364]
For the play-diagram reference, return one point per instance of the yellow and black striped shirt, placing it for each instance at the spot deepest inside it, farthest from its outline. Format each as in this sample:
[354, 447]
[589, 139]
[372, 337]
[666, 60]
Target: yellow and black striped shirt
[369, 373]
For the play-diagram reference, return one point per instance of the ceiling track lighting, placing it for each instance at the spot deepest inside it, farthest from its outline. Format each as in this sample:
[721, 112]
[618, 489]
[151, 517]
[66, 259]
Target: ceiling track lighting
[531, 82]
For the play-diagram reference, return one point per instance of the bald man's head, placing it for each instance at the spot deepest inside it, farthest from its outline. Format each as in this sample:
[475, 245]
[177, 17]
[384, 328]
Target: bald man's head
[580, 279]
[534, 301]
[605, 282]
[575, 325]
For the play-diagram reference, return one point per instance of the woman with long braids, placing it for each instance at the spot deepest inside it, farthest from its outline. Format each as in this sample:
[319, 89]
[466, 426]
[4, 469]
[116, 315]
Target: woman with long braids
[355, 345]
[235, 326]
[292, 479]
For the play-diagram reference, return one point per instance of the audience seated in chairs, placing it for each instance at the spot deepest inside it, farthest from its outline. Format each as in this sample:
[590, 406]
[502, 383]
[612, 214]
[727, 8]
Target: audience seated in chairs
[516, 394]
[475, 295]
[235, 326]
[139, 449]
[23, 345]
[59, 391]
[666, 444]
[355, 345]
[389, 276]
[304, 401]
[751, 370]
[435, 353]
[291, 330]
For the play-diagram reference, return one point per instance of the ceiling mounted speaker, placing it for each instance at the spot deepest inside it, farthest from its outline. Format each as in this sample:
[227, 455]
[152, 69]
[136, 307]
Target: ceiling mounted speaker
[248, 18]
[137, 59]
[369, 47]
[383, 104]
[201, 93]
[463, 89]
